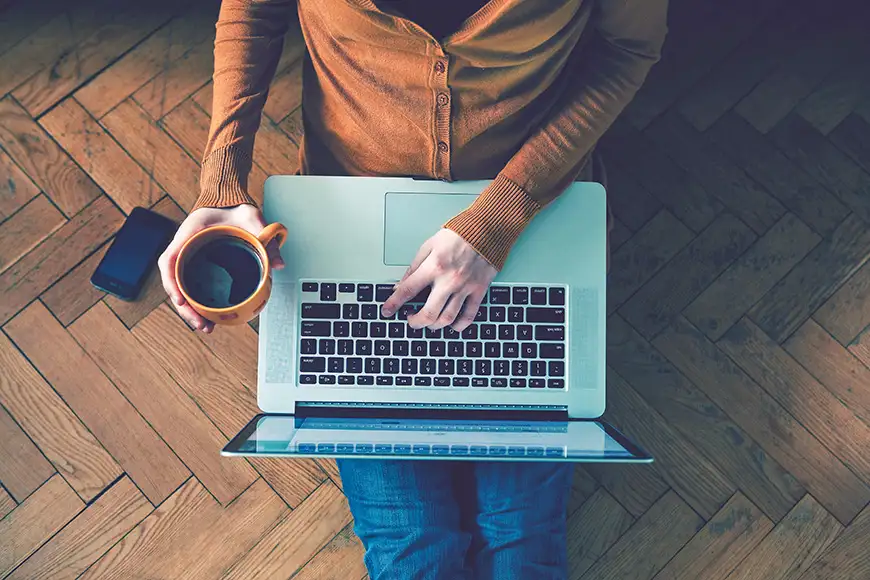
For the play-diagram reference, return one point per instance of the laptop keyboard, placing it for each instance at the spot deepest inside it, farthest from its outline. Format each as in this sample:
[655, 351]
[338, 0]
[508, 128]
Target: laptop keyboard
[517, 340]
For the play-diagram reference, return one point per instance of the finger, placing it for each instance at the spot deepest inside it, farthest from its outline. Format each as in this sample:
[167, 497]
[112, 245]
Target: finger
[208, 328]
[468, 312]
[275, 259]
[413, 285]
[421, 256]
[451, 311]
[166, 266]
[431, 312]
[196, 321]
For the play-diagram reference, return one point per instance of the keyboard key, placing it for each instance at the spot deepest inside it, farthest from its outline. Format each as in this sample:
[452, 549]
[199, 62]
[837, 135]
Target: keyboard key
[487, 331]
[345, 347]
[369, 311]
[418, 348]
[510, 350]
[326, 346]
[550, 333]
[403, 381]
[335, 364]
[327, 292]
[539, 368]
[384, 380]
[396, 330]
[492, 349]
[316, 328]
[524, 332]
[325, 448]
[382, 317]
[420, 449]
[354, 365]
[497, 314]
[557, 296]
[450, 333]
[346, 380]
[518, 383]
[498, 450]
[459, 450]
[364, 293]
[363, 347]
[473, 349]
[391, 366]
[506, 331]
[364, 447]
[554, 452]
[516, 451]
[346, 288]
[499, 295]
[440, 449]
[309, 286]
[455, 349]
[483, 367]
[422, 381]
[481, 314]
[359, 329]
[496, 382]
[307, 379]
[557, 368]
[350, 311]
[308, 346]
[537, 383]
[383, 448]
[437, 348]
[378, 329]
[321, 311]
[460, 381]
[446, 366]
[326, 380]
[340, 328]
[433, 333]
[312, 364]
[552, 350]
[535, 451]
[382, 292]
[409, 366]
[501, 368]
[400, 348]
[479, 382]
[539, 296]
[373, 366]
[520, 295]
[538, 314]
[441, 381]
[414, 332]
[401, 449]
[427, 366]
[365, 380]
[470, 333]
[529, 350]
[520, 368]
[464, 367]
[382, 347]
[406, 310]
[515, 314]
[555, 383]
[478, 450]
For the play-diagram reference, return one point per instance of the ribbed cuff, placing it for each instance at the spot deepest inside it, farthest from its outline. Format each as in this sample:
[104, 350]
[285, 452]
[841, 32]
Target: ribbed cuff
[224, 179]
[495, 220]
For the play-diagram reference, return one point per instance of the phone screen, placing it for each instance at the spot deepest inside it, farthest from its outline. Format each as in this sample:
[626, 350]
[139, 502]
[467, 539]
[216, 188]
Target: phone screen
[134, 251]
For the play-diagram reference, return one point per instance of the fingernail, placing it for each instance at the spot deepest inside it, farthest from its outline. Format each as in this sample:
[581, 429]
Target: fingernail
[387, 311]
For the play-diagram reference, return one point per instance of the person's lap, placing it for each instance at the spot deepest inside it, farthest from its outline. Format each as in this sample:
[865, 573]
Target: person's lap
[441, 519]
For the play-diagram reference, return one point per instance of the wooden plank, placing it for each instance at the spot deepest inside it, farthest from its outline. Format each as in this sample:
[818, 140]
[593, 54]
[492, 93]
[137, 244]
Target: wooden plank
[162, 403]
[60, 435]
[7, 504]
[834, 366]
[643, 255]
[152, 294]
[824, 162]
[751, 407]
[16, 189]
[813, 280]
[65, 248]
[628, 199]
[293, 127]
[43, 161]
[148, 59]
[274, 152]
[341, 559]
[593, 529]
[691, 271]
[751, 276]
[330, 468]
[299, 536]
[799, 192]
[188, 124]
[27, 228]
[718, 548]
[285, 93]
[691, 412]
[75, 67]
[840, 93]
[88, 536]
[204, 97]
[178, 80]
[236, 347]
[124, 180]
[161, 157]
[21, 19]
[26, 527]
[847, 557]
[695, 153]
[793, 544]
[847, 311]
[618, 236]
[637, 487]
[648, 545]
[23, 468]
[583, 486]
[72, 295]
[256, 181]
[851, 137]
[137, 448]
[698, 482]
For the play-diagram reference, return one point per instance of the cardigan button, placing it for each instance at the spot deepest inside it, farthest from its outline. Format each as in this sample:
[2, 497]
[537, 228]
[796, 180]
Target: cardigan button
[442, 147]
[439, 67]
[442, 99]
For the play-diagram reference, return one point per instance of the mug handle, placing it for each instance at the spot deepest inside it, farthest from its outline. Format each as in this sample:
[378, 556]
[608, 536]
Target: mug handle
[271, 232]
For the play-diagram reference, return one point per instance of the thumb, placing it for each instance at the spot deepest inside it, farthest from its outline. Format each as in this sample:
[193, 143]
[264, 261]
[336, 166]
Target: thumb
[255, 225]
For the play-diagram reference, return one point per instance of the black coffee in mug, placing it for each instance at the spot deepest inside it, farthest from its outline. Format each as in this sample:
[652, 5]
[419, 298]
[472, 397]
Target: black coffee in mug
[222, 273]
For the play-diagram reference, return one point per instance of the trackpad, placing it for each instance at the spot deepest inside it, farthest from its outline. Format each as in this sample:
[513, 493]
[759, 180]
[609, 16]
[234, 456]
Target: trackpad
[412, 218]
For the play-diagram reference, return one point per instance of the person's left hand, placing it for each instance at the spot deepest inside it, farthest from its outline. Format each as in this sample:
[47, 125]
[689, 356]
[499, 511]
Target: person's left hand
[459, 278]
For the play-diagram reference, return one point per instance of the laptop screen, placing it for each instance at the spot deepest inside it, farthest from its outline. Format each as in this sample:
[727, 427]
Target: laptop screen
[431, 438]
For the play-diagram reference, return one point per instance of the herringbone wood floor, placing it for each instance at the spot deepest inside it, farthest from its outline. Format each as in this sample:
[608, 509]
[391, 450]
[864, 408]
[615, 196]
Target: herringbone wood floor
[739, 292]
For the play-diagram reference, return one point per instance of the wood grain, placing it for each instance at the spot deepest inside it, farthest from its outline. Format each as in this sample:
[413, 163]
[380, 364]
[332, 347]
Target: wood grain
[285, 94]
[236, 347]
[72, 295]
[847, 312]
[847, 558]
[583, 485]
[340, 559]
[7, 504]
[43, 161]
[16, 189]
[634, 486]
[23, 468]
[140, 452]
[851, 137]
[628, 199]
[188, 124]
[273, 152]
[51, 425]
[593, 529]
[177, 80]
[88, 536]
[293, 126]
[27, 228]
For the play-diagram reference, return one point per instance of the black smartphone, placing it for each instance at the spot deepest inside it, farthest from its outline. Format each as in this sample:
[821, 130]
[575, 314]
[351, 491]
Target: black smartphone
[135, 250]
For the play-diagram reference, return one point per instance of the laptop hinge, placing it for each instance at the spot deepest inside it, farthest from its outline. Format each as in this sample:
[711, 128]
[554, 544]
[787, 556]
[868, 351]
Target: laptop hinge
[404, 411]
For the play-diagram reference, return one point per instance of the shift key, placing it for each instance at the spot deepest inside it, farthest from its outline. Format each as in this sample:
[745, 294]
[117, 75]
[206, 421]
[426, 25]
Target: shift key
[538, 314]
[312, 364]
[549, 333]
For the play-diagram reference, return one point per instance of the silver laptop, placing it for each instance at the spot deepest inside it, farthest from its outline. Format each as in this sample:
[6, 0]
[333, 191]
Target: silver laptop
[524, 382]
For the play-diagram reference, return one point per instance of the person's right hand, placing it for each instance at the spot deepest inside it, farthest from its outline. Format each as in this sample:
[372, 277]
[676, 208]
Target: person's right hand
[245, 216]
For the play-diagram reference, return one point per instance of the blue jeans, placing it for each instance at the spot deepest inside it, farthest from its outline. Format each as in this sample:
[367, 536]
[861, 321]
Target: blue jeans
[458, 520]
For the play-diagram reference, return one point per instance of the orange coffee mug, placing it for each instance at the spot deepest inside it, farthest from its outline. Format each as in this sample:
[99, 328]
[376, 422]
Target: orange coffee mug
[224, 272]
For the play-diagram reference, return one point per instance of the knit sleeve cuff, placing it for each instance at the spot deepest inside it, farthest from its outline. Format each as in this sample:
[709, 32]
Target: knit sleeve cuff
[495, 220]
[224, 179]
